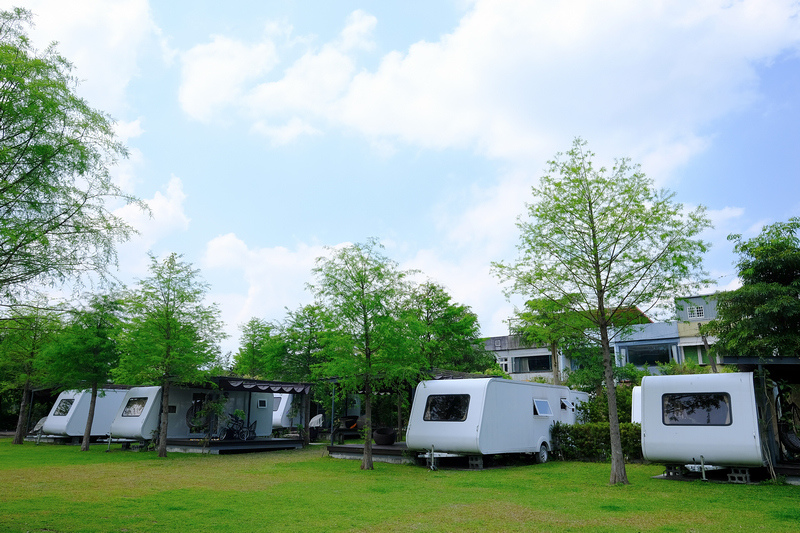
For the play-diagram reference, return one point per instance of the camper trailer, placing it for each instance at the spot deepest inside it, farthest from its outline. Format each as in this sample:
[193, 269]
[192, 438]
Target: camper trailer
[282, 412]
[69, 414]
[701, 419]
[138, 417]
[488, 416]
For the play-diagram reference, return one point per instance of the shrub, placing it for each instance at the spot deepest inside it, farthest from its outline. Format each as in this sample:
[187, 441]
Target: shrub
[592, 442]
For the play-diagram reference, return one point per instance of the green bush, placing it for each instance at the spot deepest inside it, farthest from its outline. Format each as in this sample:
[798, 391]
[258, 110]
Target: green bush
[592, 442]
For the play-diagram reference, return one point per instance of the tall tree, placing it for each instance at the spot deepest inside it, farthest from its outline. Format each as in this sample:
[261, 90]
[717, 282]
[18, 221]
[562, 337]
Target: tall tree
[614, 241]
[23, 338]
[363, 289]
[172, 336]
[83, 354]
[55, 155]
[544, 322]
[446, 332]
[762, 317]
[261, 350]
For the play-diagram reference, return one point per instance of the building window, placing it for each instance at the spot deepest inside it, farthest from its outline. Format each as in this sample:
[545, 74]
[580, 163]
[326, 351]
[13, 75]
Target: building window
[696, 312]
[262, 403]
[63, 407]
[446, 408]
[649, 354]
[535, 363]
[697, 409]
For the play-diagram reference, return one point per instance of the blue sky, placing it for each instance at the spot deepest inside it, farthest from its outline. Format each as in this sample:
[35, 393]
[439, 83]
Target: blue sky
[261, 132]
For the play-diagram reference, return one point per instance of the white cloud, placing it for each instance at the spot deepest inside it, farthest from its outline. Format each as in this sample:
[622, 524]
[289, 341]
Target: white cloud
[215, 74]
[166, 217]
[275, 279]
[102, 38]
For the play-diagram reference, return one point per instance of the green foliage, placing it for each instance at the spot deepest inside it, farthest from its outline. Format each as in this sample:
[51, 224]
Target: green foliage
[364, 291]
[171, 335]
[447, 332]
[55, 155]
[23, 338]
[599, 244]
[762, 317]
[591, 442]
[85, 351]
[596, 409]
[261, 350]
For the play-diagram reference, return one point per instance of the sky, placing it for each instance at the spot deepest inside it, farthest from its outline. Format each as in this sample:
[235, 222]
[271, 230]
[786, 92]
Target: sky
[261, 133]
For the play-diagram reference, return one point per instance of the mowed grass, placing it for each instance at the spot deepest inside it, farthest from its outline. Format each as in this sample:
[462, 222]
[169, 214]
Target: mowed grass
[58, 488]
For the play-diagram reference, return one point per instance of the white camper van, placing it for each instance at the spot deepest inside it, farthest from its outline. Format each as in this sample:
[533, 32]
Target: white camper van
[69, 414]
[488, 416]
[137, 416]
[701, 419]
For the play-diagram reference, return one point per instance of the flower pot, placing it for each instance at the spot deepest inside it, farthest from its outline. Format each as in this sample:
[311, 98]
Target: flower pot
[384, 436]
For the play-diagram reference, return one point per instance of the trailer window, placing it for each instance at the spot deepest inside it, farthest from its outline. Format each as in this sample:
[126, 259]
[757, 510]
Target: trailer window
[63, 407]
[134, 407]
[277, 404]
[542, 408]
[446, 408]
[697, 409]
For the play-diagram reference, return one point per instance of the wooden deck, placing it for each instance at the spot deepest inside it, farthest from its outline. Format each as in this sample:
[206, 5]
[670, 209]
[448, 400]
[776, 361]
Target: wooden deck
[396, 453]
[228, 446]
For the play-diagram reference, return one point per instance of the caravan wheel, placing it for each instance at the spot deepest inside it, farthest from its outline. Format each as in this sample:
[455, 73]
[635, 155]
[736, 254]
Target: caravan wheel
[543, 455]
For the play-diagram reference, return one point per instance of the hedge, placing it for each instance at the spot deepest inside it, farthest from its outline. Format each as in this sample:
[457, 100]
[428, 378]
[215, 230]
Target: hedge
[592, 442]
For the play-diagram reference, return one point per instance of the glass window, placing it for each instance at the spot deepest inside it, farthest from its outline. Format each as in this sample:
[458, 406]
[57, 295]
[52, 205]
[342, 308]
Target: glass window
[63, 407]
[567, 405]
[649, 354]
[697, 409]
[696, 312]
[535, 363]
[262, 404]
[134, 407]
[446, 408]
[277, 403]
[542, 408]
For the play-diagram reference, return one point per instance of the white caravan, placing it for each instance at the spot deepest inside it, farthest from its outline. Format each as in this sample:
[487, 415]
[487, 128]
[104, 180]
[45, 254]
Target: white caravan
[701, 419]
[281, 411]
[488, 416]
[70, 412]
[137, 418]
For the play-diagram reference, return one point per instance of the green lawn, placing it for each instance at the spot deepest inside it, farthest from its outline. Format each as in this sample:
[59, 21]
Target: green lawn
[58, 488]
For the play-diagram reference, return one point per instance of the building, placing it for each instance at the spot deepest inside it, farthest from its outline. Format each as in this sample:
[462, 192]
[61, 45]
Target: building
[645, 345]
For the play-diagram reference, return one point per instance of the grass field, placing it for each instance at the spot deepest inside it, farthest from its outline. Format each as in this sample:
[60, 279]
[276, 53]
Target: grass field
[58, 488]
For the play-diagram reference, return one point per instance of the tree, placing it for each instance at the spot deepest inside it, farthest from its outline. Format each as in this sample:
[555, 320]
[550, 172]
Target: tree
[261, 349]
[83, 354]
[762, 317]
[171, 335]
[55, 155]
[612, 241]
[544, 322]
[447, 333]
[363, 291]
[23, 337]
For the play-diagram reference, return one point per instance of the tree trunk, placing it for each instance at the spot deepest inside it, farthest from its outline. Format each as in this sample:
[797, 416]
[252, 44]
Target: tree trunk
[554, 364]
[618, 474]
[366, 461]
[22, 421]
[162, 430]
[712, 359]
[87, 433]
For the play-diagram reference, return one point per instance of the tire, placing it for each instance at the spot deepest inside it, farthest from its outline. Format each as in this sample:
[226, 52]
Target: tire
[543, 454]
